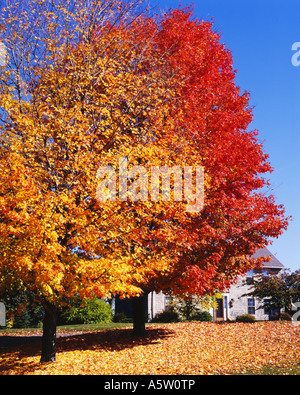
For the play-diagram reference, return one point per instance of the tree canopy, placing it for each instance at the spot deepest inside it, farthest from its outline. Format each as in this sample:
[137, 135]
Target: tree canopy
[88, 84]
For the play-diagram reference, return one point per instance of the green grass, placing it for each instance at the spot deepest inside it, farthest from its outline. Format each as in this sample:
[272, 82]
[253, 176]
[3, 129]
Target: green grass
[292, 370]
[72, 328]
[94, 327]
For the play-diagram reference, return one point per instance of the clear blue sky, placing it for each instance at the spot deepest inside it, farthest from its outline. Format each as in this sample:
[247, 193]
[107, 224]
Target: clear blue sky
[260, 34]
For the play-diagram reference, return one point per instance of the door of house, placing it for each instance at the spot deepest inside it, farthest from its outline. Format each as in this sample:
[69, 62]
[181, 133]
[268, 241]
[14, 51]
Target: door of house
[220, 310]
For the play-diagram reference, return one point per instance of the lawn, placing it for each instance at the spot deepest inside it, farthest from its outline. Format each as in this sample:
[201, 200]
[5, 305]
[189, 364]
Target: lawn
[67, 328]
[183, 348]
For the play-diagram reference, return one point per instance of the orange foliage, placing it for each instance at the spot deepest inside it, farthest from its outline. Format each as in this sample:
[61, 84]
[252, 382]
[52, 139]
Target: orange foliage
[185, 348]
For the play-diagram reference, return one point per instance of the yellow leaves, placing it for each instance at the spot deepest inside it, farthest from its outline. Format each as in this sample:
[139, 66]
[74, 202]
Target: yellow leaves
[184, 348]
[25, 263]
[80, 106]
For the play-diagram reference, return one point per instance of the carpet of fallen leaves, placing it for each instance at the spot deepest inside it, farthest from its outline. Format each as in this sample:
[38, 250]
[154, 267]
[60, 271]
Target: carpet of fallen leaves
[184, 348]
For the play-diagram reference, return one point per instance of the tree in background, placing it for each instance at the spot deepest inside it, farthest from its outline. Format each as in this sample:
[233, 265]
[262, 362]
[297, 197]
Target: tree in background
[22, 310]
[189, 306]
[277, 291]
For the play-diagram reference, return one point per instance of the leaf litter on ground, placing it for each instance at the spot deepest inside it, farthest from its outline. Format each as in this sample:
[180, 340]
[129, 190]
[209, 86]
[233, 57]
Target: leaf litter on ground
[182, 348]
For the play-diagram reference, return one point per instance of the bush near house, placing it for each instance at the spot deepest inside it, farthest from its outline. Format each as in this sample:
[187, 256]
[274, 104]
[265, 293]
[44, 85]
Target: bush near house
[89, 311]
[166, 316]
[201, 316]
[281, 317]
[245, 318]
[169, 316]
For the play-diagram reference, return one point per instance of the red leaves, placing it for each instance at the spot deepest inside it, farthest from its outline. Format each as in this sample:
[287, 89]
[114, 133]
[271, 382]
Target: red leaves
[212, 119]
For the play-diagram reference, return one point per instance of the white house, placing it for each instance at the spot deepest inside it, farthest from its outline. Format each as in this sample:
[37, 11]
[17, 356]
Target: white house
[233, 303]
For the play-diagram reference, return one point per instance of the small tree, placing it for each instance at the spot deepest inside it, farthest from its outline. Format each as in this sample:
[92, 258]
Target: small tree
[188, 305]
[281, 290]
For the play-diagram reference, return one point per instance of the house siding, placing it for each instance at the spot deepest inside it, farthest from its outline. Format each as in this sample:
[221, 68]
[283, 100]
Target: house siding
[238, 302]
[157, 302]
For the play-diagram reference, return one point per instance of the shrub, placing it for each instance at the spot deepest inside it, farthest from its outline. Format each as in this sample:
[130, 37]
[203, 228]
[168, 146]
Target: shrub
[121, 317]
[285, 317]
[245, 318]
[201, 316]
[166, 316]
[90, 311]
[281, 317]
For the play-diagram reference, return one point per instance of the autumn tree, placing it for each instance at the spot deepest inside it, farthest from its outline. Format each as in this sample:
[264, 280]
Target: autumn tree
[78, 92]
[89, 85]
[211, 118]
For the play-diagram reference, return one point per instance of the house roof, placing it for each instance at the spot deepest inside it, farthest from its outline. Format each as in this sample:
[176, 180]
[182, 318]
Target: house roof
[274, 263]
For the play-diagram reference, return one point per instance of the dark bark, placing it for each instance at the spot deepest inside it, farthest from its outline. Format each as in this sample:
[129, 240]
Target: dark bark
[49, 333]
[139, 319]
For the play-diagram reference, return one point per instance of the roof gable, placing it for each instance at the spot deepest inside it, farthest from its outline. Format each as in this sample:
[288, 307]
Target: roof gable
[274, 263]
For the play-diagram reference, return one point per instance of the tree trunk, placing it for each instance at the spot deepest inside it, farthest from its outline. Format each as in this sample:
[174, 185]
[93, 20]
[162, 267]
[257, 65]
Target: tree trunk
[139, 322]
[49, 333]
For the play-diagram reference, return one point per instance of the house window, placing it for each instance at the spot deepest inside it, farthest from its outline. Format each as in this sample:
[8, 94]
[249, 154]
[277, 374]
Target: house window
[251, 306]
[249, 277]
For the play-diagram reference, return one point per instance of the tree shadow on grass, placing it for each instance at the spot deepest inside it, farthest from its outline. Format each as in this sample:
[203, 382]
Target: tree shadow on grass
[7, 341]
[111, 339]
[12, 359]
[15, 351]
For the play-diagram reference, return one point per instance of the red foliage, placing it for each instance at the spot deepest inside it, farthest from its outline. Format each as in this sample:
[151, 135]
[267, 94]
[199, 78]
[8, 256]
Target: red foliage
[212, 117]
